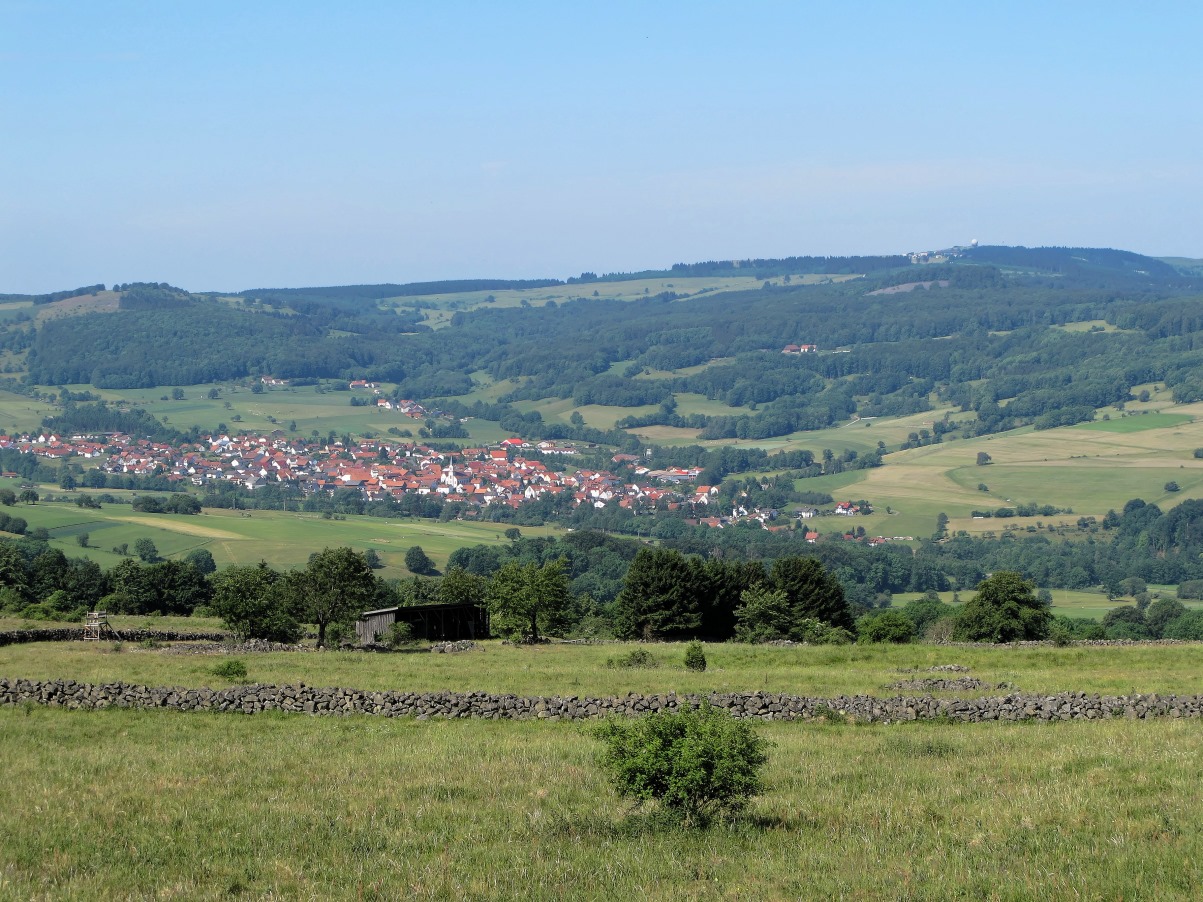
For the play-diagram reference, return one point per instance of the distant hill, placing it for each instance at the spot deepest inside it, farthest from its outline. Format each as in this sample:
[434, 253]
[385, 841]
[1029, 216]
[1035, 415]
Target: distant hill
[988, 333]
[1079, 260]
[343, 293]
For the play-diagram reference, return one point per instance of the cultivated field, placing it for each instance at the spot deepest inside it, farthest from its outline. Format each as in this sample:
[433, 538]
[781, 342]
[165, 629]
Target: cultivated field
[284, 539]
[1089, 469]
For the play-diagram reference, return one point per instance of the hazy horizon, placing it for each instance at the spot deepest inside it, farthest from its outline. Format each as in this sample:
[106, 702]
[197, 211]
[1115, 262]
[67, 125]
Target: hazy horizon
[227, 147]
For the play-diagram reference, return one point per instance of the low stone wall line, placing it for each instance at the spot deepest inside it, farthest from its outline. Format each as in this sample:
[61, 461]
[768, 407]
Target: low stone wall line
[253, 699]
[76, 633]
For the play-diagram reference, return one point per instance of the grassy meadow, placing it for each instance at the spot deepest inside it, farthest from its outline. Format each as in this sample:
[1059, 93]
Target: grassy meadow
[582, 669]
[124, 804]
[1091, 603]
[284, 539]
[1089, 469]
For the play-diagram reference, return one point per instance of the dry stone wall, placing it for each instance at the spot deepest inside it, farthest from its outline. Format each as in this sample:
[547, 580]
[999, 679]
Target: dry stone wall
[253, 699]
[72, 633]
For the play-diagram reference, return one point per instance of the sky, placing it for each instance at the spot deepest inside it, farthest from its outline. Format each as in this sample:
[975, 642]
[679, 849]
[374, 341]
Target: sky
[234, 145]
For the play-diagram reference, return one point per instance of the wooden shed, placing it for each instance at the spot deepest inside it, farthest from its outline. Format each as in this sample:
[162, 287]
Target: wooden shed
[433, 622]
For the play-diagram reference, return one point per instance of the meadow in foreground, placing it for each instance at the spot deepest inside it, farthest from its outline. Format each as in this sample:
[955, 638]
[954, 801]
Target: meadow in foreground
[582, 669]
[141, 804]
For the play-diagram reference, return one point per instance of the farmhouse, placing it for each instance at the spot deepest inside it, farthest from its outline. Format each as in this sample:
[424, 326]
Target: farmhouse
[799, 349]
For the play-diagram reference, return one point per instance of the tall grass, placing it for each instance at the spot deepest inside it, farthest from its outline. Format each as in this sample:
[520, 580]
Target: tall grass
[144, 804]
[581, 670]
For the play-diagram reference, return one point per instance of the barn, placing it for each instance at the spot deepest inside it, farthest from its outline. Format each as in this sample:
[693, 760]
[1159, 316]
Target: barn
[433, 622]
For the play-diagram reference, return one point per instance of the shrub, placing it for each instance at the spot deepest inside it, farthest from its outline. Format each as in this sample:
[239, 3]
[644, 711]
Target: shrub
[1125, 622]
[695, 763]
[926, 611]
[1161, 613]
[816, 632]
[593, 626]
[399, 635]
[636, 658]
[695, 657]
[888, 626]
[1191, 588]
[1059, 634]
[940, 631]
[232, 669]
[1077, 628]
[1187, 626]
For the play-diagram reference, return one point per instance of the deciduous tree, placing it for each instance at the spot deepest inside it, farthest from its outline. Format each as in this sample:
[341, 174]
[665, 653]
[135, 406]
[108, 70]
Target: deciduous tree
[526, 600]
[1005, 609]
[336, 585]
[251, 603]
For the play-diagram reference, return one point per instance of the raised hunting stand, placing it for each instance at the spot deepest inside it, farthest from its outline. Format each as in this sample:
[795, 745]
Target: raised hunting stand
[97, 623]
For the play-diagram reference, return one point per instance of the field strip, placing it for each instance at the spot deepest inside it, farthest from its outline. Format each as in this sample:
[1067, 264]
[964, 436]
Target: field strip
[186, 528]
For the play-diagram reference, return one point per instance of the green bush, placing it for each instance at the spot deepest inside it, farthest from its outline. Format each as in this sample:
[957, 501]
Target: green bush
[816, 632]
[1059, 634]
[1005, 609]
[1161, 613]
[695, 657]
[399, 635]
[1191, 588]
[888, 626]
[696, 763]
[1188, 626]
[233, 669]
[636, 658]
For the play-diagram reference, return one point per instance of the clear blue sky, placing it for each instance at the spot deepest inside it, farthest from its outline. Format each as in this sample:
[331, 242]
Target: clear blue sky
[230, 145]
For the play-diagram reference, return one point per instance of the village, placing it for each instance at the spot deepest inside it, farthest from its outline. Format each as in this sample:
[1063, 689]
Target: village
[513, 473]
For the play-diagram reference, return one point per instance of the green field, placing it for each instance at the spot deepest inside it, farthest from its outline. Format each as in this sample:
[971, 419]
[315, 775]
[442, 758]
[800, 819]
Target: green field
[282, 538]
[444, 306]
[1086, 470]
[1066, 602]
[581, 669]
[1138, 423]
[287, 806]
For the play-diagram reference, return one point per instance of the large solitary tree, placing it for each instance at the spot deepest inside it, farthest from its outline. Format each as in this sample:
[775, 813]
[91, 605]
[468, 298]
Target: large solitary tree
[526, 600]
[335, 585]
[1005, 609]
[253, 605]
[417, 561]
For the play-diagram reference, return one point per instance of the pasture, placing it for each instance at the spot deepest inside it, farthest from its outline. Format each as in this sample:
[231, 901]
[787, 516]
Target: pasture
[1085, 469]
[289, 806]
[284, 539]
[1090, 603]
[582, 669]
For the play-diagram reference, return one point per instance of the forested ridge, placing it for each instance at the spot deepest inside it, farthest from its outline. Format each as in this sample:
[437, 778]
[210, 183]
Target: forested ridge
[986, 330]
